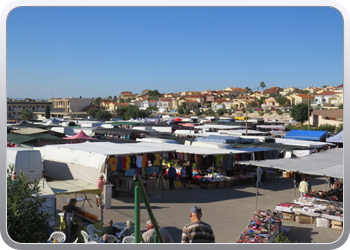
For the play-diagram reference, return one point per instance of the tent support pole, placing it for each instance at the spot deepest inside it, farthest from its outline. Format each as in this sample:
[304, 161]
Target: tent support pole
[257, 190]
[295, 185]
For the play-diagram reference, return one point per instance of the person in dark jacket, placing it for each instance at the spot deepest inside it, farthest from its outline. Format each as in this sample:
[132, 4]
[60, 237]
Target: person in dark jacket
[171, 176]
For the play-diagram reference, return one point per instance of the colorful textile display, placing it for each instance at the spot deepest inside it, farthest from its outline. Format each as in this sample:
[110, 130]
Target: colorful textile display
[262, 228]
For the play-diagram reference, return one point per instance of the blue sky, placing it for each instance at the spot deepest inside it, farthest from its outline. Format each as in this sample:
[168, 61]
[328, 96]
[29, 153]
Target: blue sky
[101, 51]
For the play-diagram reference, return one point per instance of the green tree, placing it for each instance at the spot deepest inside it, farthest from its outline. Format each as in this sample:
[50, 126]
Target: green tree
[98, 101]
[209, 112]
[47, 111]
[102, 114]
[181, 110]
[262, 85]
[26, 114]
[91, 112]
[220, 111]
[282, 100]
[154, 94]
[339, 128]
[300, 112]
[340, 106]
[27, 222]
[197, 112]
[187, 111]
[131, 111]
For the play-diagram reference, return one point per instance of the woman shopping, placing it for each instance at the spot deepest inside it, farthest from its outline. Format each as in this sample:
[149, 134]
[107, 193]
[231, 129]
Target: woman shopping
[69, 211]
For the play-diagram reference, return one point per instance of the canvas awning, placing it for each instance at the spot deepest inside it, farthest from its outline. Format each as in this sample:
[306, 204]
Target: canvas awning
[338, 138]
[30, 131]
[15, 138]
[327, 163]
[305, 135]
[73, 186]
[79, 136]
[192, 149]
[93, 154]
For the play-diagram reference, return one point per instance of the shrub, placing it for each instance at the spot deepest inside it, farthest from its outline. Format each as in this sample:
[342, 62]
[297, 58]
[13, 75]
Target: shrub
[27, 222]
[281, 238]
[261, 113]
[279, 112]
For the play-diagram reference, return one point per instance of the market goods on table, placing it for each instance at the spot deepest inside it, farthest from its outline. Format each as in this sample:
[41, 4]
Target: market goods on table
[262, 228]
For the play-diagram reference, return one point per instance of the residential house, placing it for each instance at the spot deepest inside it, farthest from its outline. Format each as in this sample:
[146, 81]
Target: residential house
[125, 95]
[321, 117]
[298, 98]
[223, 103]
[268, 91]
[234, 91]
[164, 105]
[144, 92]
[325, 98]
[241, 102]
[144, 104]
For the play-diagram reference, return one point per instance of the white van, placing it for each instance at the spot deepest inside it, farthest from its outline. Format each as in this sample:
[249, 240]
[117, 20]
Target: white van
[29, 161]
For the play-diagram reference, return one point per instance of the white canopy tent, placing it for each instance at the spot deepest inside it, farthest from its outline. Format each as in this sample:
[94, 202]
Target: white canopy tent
[306, 143]
[338, 138]
[86, 161]
[328, 163]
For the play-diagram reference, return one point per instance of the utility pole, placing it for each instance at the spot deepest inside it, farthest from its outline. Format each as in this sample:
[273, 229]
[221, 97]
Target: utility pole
[246, 116]
[308, 111]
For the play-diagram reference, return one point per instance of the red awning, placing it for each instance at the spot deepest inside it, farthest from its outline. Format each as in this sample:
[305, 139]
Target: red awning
[80, 136]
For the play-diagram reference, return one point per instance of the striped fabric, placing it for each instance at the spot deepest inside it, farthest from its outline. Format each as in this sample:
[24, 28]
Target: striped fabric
[197, 232]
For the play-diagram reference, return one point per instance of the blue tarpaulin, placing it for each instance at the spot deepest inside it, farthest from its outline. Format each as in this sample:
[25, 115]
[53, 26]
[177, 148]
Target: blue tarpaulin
[305, 135]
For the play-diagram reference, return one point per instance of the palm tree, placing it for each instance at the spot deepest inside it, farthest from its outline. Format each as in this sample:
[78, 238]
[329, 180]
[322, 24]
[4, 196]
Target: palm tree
[262, 85]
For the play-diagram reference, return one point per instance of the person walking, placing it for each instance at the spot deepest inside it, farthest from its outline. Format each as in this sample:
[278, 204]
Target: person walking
[148, 236]
[183, 175]
[303, 187]
[171, 176]
[259, 173]
[189, 174]
[100, 183]
[197, 231]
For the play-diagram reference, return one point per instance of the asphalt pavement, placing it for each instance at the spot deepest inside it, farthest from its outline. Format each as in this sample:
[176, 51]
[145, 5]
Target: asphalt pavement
[228, 209]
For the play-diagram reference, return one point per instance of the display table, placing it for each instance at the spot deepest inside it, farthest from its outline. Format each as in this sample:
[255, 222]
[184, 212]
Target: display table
[262, 228]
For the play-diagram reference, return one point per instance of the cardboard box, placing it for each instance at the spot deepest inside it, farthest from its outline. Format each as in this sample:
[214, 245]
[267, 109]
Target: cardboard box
[288, 216]
[221, 184]
[209, 185]
[228, 183]
[323, 222]
[303, 219]
[337, 223]
[337, 227]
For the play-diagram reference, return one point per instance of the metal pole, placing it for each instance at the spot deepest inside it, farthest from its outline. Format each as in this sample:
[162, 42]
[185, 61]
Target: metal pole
[308, 111]
[295, 185]
[137, 210]
[257, 190]
[246, 110]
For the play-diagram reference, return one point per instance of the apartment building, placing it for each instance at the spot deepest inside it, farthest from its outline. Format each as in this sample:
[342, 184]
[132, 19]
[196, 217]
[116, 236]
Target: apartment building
[15, 108]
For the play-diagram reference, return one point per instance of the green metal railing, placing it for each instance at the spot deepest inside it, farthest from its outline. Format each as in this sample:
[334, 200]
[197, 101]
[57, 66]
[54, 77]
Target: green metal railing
[141, 193]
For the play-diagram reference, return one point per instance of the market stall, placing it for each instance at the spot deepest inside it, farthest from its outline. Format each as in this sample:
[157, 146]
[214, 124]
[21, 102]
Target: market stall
[262, 228]
[83, 218]
[312, 210]
[86, 161]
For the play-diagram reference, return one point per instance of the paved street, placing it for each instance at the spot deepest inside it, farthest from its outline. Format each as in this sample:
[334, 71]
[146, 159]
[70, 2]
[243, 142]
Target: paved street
[227, 209]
